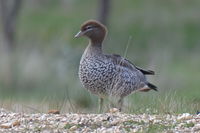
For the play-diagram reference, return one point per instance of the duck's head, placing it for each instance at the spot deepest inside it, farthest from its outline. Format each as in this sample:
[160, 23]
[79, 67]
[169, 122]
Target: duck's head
[94, 30]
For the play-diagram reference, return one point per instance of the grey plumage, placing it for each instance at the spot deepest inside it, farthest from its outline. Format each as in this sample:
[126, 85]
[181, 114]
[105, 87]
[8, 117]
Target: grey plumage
[109, 75]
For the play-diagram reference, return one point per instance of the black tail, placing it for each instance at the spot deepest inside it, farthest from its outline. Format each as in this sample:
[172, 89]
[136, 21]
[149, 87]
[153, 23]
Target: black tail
[152, 86]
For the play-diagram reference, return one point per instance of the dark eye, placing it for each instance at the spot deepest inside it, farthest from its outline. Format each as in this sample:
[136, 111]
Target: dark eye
[88, 27]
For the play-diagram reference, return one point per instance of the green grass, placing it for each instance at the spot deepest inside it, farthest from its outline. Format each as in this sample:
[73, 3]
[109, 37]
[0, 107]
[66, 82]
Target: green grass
[152, 128]
[188, 125]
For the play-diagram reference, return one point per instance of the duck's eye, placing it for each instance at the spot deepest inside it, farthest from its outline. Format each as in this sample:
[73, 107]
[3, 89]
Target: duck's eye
[88, 27]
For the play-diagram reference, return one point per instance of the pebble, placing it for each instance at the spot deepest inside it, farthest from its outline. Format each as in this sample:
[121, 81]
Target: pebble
[184, 116]
[53, 112]
[73, 128]
[114, 110]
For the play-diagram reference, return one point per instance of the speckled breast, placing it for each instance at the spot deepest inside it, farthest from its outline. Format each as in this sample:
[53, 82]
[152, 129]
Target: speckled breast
[96, 75]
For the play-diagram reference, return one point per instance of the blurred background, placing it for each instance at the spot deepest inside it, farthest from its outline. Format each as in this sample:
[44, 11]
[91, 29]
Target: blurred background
[39, 56]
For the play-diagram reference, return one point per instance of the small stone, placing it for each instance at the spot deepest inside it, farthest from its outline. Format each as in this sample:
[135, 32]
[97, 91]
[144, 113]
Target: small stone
[6, 125]
[42, 117]
[53, 112]
[184, 116]
[197, 126]
[73, 128]
[16, 123]
[114, 110]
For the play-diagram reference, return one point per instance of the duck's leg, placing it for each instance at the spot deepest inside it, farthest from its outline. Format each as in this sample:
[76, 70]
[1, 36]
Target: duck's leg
[112, 105]
[100, 104]
[120, 103]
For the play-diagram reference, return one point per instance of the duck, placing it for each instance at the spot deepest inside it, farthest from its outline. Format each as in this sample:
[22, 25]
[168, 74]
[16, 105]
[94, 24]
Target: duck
[108, 75]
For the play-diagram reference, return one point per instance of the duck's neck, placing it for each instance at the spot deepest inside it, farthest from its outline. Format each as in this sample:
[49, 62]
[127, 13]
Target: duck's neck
[93, 48]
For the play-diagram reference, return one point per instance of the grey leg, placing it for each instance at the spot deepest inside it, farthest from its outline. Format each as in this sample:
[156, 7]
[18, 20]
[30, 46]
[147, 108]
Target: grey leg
[120, 103]
[100, 104]
[111, 105]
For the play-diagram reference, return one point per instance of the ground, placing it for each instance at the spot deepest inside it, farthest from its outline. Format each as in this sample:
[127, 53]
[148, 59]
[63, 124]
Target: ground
[113, 121]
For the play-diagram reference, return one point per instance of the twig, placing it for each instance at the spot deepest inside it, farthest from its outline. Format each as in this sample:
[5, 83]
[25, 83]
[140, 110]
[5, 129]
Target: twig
[127, 45]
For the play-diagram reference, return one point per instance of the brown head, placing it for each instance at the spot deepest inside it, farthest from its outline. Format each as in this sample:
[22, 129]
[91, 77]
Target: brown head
[94, 30]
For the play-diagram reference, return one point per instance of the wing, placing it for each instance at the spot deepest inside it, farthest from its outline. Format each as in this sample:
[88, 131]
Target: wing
[117, 59]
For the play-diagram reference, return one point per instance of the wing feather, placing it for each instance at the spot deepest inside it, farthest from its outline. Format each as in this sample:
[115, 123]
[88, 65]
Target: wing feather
[117, 59]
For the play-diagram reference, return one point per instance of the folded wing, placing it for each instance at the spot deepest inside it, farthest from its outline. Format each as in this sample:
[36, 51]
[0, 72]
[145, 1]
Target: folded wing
[126, 63]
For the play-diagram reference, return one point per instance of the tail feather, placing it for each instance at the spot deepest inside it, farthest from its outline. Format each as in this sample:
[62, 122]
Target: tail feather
[152, 86]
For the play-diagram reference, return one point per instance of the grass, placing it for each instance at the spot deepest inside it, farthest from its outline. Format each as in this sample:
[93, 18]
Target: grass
[152, 128]
[188, 125]
[165, 38]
